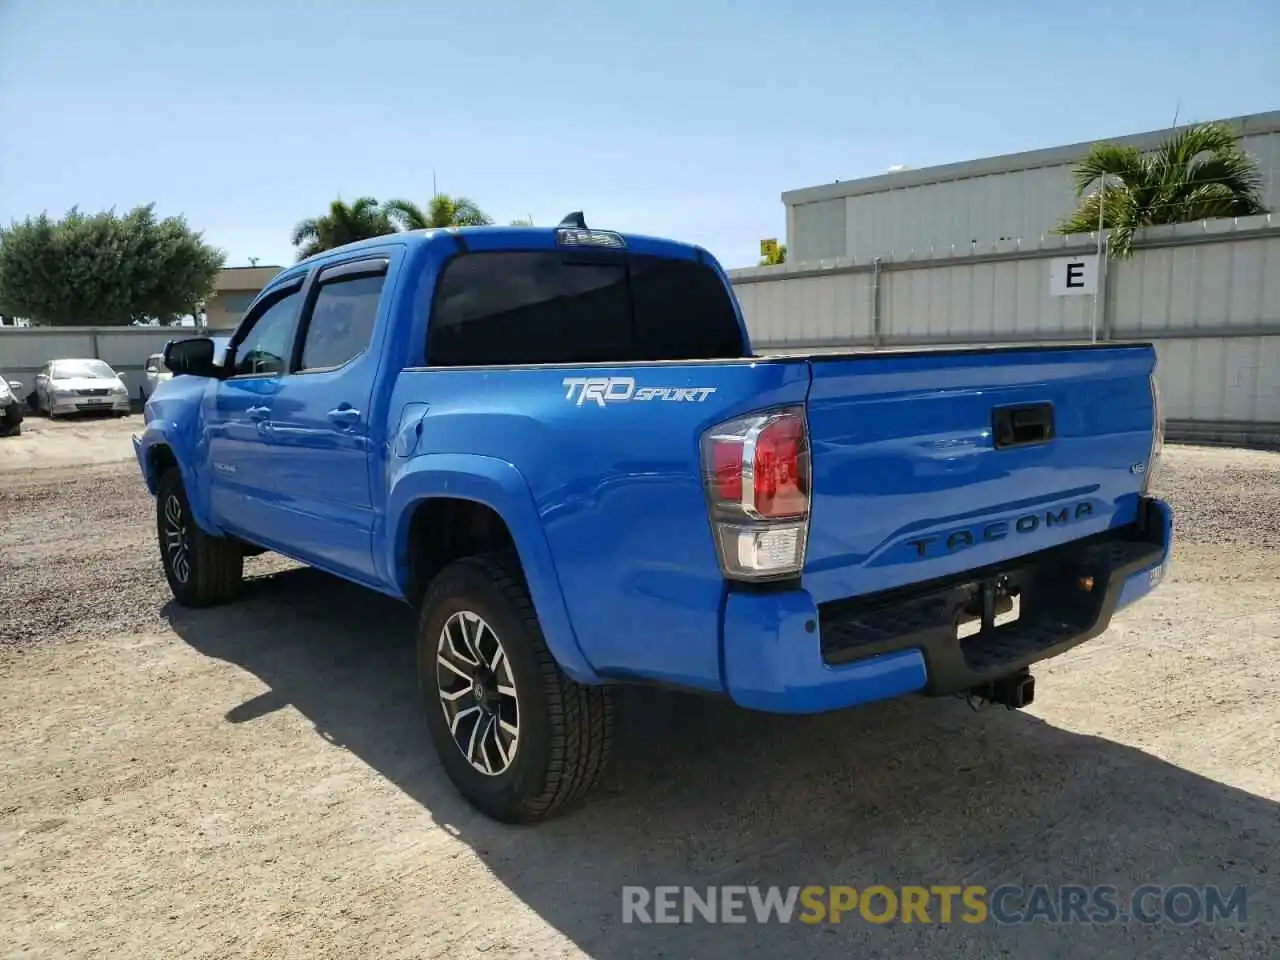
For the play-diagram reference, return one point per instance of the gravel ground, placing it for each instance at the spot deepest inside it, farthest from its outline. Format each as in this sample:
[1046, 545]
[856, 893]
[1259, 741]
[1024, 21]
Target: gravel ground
[255, 781]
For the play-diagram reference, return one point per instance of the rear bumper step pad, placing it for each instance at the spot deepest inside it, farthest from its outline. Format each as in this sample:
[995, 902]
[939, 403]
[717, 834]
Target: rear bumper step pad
[1066, 595]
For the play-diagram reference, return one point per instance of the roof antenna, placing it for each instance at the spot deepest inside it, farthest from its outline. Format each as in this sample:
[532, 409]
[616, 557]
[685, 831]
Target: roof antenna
[574, 219]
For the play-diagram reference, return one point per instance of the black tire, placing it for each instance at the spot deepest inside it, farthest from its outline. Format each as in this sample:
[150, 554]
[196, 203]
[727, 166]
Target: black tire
[11, 422]
[564, 729]
[202, 570]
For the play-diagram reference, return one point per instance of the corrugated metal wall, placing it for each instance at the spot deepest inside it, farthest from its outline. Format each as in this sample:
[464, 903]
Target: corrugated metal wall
[1208, 295]
[24, 350]
[809, 310]
[1001, 206]
[1221, 379]
[1230, 284]
[911, 221]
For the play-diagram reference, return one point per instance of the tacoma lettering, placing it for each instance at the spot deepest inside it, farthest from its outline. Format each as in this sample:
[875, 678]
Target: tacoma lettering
[999, 529]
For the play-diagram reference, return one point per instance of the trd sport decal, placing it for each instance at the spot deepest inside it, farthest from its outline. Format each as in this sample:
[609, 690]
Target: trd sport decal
[604, 390]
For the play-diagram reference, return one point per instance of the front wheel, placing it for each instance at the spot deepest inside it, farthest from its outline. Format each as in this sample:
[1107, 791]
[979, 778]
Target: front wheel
[202, 570]
[517, 737]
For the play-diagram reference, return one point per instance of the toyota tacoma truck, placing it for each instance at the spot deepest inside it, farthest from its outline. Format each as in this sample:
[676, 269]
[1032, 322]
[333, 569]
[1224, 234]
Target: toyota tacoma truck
[558, 446]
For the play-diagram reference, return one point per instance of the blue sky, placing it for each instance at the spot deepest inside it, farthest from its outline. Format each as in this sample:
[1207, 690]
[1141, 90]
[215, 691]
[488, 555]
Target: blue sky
[679, 119]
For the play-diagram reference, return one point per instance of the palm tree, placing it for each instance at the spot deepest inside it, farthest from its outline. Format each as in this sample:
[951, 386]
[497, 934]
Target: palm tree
[344, 223]
[442, 211]
[1199, 174]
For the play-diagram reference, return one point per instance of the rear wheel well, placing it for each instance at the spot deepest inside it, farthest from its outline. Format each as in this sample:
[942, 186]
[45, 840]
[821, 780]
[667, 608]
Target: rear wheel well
[445, 529]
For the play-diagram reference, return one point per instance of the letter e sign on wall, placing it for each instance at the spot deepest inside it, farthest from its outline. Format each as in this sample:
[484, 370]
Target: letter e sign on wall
[1072, 275]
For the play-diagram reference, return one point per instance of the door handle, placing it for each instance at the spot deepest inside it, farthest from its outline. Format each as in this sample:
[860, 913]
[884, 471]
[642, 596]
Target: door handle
[345, 416]
[1022, 426]
[258, 413]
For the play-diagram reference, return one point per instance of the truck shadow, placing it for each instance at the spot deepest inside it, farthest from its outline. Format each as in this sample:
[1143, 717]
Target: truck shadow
[701, 793]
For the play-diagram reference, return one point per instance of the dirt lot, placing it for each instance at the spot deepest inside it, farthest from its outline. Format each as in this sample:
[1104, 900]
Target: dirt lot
[255, 781]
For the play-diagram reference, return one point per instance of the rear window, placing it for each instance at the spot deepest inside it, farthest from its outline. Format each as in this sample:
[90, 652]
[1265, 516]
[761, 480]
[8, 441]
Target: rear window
[553, 307]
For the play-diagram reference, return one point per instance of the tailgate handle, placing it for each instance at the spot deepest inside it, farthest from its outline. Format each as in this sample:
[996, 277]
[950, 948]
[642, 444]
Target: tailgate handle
[1022, 426]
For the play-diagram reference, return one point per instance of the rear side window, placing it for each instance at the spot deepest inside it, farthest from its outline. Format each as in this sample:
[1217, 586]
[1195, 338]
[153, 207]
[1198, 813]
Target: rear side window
[341, 323]
[551, 307]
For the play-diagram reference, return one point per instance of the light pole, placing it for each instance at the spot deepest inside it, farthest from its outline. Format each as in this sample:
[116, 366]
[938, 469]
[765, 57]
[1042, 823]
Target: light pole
[1097, 283]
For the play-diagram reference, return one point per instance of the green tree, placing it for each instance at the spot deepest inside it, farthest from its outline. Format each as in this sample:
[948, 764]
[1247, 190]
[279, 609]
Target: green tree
[441, 211]
[523, 221]
[1200, 173]
[776, 257]
[344, 223]
[105, 269]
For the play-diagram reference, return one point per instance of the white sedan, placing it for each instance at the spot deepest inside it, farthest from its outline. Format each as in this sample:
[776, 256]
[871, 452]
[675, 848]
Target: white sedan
[80, 385]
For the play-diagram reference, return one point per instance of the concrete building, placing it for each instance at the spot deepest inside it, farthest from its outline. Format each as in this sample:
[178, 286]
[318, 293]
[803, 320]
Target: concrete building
[915, 213]
[234, 289]
[963, 254]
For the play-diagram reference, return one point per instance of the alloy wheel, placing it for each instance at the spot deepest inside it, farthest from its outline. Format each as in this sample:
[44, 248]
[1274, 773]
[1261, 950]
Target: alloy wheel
[478, 693]
[176, 548]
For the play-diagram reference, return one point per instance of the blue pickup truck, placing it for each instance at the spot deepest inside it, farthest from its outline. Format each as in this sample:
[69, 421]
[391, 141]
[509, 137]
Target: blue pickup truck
[557, 445]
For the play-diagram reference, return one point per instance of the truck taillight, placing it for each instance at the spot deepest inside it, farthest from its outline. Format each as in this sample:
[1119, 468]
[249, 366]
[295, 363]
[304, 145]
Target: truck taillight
[756, 472]
[1157, 435]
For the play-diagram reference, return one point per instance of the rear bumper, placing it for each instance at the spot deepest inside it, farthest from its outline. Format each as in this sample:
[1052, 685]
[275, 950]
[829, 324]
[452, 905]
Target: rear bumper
[785, 654]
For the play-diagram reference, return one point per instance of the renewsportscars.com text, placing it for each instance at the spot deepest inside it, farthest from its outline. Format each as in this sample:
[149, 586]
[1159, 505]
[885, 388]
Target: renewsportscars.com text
[1007, 904]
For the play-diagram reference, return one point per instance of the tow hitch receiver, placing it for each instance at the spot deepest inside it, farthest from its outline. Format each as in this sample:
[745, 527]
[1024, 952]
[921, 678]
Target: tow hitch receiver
[1014, 692]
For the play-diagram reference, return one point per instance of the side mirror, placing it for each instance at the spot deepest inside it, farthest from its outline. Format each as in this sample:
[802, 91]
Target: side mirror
[15, 385]
[193, 357]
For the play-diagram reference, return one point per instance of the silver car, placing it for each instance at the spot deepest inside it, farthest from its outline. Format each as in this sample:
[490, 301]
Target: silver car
[154, 374]
[11, 406]
[78, 386]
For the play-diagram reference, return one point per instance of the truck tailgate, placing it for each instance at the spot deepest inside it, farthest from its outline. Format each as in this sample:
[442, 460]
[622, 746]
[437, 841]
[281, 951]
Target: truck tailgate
[928, 464]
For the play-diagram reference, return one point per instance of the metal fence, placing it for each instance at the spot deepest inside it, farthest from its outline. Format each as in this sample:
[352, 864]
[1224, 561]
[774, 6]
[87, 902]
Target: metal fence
[24, 350]
[1207, 294]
